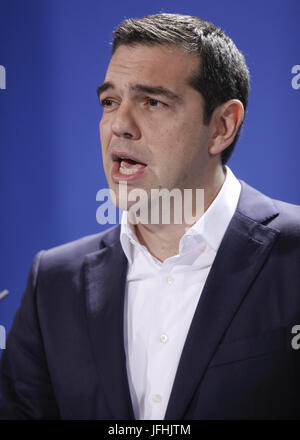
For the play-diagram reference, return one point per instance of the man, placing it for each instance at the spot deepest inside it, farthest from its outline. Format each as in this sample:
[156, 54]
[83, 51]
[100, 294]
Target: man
[154, 320]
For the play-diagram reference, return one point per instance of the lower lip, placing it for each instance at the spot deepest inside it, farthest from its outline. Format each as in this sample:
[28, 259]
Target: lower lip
[119, 177]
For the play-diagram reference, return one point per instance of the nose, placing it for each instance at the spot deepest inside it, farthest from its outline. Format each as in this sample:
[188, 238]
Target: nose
[124, 123]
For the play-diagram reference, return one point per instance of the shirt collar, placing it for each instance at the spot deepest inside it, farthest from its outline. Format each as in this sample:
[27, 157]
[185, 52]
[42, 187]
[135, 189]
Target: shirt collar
[213, 224]
[210, 228]
[128, 237]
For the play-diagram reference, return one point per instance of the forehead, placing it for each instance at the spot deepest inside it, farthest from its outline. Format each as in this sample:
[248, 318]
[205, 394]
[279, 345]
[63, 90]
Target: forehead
[165, 65]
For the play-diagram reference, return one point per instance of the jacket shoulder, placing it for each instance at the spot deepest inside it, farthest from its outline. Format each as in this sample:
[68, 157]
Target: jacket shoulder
[72, 254]
[279, 215]
[288, 220]
[289, 209]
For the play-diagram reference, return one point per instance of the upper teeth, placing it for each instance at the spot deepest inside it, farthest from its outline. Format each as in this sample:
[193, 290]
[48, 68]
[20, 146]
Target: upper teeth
[128, 170]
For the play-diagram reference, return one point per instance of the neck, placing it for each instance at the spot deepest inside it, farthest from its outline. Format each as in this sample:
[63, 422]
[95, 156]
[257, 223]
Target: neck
[162, 240]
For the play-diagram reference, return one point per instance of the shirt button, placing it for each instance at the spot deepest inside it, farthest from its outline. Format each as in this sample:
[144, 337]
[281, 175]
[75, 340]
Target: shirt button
[163, 338]
[169, 280]
[157, 398]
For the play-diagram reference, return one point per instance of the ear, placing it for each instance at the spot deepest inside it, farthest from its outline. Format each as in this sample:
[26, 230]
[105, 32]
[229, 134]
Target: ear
[224, 123]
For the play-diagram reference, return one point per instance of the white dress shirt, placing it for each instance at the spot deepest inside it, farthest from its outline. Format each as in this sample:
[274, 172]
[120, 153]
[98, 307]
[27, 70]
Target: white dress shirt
[161, 298]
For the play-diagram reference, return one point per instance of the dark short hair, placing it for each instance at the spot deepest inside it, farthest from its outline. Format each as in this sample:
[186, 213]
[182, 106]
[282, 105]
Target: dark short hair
[222, 75]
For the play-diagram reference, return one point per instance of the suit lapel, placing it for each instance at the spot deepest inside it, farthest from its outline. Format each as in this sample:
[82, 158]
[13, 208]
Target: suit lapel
[243, 250]
[105, 277]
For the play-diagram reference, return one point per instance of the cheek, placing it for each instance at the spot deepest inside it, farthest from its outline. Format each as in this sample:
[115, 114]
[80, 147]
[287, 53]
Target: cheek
[104, 131]
[179, 141]
[181, 150]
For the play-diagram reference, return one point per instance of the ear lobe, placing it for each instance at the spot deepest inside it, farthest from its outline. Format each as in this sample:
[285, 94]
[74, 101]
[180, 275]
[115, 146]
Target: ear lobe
[226, 121]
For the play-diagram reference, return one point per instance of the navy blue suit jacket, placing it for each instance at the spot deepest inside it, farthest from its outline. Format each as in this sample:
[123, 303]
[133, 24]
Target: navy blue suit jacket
[65, 354]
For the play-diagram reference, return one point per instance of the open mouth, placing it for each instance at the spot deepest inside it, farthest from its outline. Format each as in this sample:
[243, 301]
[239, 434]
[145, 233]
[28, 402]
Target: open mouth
[127, 166]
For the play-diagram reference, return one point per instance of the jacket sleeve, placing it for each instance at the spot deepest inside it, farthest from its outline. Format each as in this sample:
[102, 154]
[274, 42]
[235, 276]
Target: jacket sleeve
[25, 386]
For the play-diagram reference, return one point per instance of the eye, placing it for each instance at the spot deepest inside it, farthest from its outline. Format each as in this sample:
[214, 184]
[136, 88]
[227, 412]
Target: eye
[106, 102]
[155, 103]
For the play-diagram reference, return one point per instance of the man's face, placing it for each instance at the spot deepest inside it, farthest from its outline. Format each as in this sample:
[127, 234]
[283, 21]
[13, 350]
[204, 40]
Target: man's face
[152, 134]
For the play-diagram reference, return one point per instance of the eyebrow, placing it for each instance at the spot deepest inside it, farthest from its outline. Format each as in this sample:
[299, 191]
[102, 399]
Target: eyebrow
[142, 88]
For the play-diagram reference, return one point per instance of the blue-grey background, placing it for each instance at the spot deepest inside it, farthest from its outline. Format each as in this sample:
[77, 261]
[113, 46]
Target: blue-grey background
[55, 53]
